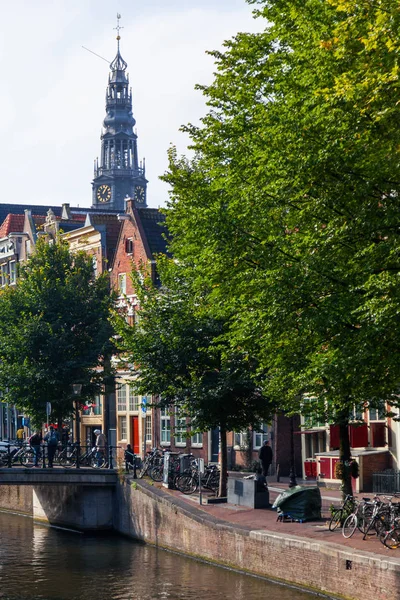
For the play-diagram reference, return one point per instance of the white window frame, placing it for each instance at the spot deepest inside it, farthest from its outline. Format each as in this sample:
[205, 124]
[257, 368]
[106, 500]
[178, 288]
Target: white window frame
[122, 284]
[180, 426]
[3, 274]
[121, 397]
[148, 429]
[241, 440]
[165, 427]
[260, 437]
[13, 272]
[197, 440]
[134, 401]
[122, 428]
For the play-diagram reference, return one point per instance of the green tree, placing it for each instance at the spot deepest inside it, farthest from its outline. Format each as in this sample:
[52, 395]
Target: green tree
[181, 356]
[289, 210]
[55, 332]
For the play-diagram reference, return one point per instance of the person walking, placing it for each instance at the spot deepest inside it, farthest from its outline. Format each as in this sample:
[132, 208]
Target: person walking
[34, 441]
[265, 456]
[52, 441]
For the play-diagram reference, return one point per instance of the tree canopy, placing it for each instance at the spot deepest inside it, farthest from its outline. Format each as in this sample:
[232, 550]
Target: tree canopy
[289, 208]
[177, 351]
[55, 331]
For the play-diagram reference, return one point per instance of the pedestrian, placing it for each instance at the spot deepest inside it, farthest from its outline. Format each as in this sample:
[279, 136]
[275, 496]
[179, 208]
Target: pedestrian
[101, 443]
[20, 436]
[52, 441]
[129, 458]
[265, 456]
[34, 441]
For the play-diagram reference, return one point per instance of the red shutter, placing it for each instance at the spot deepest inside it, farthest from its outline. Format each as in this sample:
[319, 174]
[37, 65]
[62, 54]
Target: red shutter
[334, 437]
[325, 467]
[378, 437]
[358, 435]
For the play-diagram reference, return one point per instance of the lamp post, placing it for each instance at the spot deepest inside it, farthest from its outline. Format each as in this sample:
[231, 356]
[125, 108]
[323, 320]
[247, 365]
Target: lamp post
[77, 388]
[292, 473]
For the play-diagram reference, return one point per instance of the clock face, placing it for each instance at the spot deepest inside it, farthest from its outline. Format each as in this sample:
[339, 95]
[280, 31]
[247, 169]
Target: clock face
[139, 193]
[104, 193]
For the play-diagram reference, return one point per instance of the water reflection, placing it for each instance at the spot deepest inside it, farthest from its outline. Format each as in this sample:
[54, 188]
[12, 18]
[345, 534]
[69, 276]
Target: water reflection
[37, 562]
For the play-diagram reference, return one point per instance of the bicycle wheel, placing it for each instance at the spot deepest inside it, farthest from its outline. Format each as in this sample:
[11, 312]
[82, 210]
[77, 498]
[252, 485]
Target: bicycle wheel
[365, 518]
[143, 470]
[157, 473]
[336, 519]
[67, 461]
[187, 484]
[349, 526]
[97, 462]
[213, 483]
[391, 538]
[27, 458]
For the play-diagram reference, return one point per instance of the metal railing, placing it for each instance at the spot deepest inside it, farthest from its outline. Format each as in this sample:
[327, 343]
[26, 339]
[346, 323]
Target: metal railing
[387, 482]
[71, 455]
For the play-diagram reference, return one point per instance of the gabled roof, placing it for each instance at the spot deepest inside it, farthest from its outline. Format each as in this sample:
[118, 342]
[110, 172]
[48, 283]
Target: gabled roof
[12, 223]
[153, 223]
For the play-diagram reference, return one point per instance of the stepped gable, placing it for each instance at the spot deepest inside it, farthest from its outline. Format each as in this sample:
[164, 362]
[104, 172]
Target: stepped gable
[153, 223]
[12, 224]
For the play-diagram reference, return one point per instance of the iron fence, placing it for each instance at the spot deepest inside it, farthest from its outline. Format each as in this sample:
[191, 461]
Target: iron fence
[387, 482]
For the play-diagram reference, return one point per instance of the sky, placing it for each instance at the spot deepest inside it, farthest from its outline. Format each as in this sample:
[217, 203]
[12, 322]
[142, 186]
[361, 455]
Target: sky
[53, 90]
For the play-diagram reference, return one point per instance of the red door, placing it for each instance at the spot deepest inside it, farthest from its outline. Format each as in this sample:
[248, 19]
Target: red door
[135, 434]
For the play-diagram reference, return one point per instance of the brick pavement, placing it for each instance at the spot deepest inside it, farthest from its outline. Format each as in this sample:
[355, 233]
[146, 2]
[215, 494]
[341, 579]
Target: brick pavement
[266, 519]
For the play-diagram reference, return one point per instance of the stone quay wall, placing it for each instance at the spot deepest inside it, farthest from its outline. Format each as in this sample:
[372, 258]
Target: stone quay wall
[146, 513]
[149, 514]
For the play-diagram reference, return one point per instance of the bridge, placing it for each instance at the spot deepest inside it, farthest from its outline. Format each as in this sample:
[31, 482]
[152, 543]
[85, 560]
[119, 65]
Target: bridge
[58, 476]
[81, 499]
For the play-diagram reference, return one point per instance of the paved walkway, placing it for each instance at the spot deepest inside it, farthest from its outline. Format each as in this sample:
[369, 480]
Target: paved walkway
[265, 519]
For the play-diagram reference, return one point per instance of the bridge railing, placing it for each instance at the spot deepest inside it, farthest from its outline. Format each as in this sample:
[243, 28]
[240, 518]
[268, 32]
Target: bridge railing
[71, 455]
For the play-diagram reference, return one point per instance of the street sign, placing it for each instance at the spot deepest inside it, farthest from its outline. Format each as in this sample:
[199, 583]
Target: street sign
[48, 408]
[144, 405]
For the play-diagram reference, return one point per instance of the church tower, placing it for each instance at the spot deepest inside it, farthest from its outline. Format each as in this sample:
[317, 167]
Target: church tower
[119, 174]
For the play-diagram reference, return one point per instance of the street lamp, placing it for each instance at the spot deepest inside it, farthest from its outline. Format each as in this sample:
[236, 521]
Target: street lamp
[77, 388]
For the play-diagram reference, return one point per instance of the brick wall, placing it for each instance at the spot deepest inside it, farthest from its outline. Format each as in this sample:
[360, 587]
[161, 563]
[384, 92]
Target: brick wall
[149, 514]
[373, 463]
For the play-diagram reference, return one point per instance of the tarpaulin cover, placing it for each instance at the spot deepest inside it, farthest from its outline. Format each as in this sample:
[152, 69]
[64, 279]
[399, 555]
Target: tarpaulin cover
[302, 503]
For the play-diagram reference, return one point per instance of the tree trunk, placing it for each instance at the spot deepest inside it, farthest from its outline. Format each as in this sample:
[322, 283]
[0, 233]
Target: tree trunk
[224, 464]
[345, 456]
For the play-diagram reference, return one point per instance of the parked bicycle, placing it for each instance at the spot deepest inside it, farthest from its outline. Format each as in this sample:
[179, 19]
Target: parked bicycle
[339, 515]
[151, 460]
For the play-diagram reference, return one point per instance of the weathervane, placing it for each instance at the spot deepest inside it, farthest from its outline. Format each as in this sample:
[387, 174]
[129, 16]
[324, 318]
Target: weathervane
[118, 27]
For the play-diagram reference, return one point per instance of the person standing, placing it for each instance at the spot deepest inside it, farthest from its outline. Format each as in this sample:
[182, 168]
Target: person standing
[101, 443]
[20, 436]
[265, 456]
[35, 440]
[52, 441]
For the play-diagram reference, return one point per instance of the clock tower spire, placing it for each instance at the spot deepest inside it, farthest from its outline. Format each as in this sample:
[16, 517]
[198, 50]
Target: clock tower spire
[118, 174]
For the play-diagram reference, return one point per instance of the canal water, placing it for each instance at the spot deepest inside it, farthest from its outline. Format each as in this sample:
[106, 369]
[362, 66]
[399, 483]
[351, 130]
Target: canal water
[38, 562]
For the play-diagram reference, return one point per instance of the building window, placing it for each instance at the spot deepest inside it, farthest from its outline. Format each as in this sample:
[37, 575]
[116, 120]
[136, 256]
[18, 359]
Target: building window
[121, 397]
[377, 414]
[133, 401]
[148, 429]
[94, 265]
[129, 246]
[165, 426]
[97, 405]
[197, 440]
[180, 429]
[122, 284]
[260, 437]
[13, 272]
[122, 428]
[242, 440]
[3, 274]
